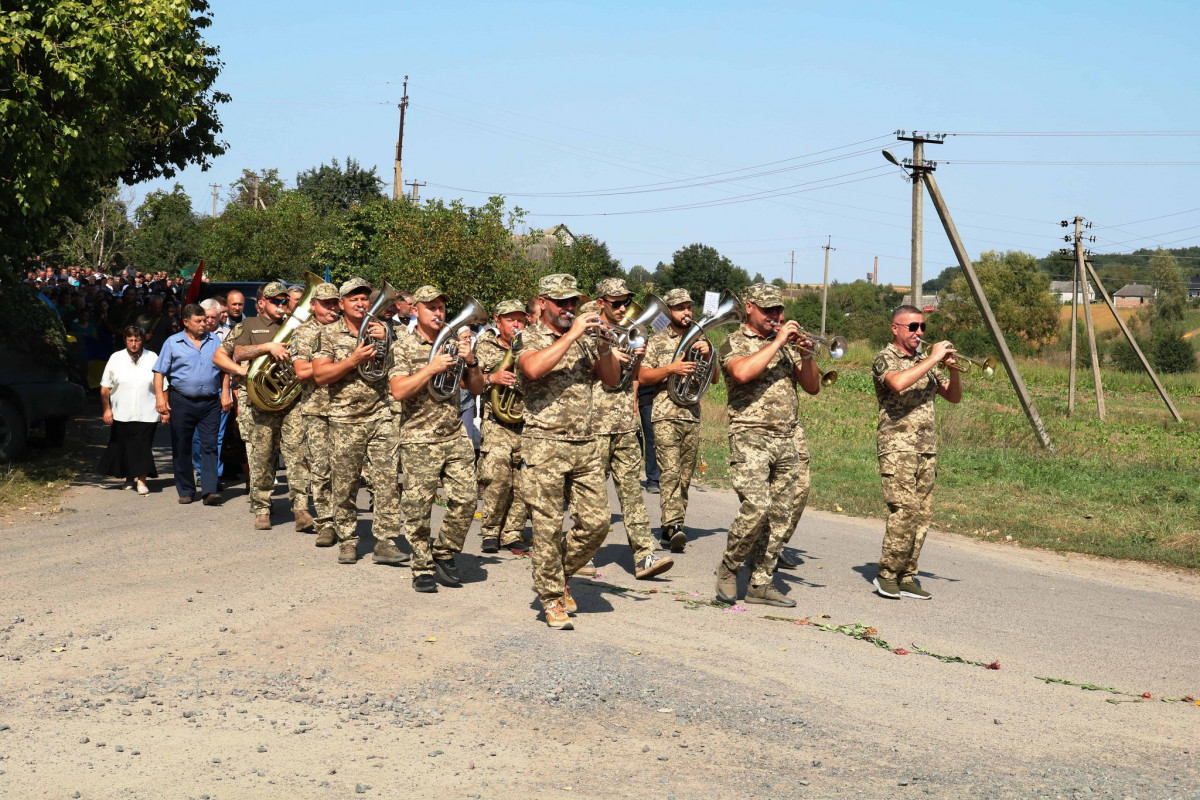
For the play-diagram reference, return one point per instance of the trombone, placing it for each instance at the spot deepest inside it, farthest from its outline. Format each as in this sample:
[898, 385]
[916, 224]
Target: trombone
[962, 363]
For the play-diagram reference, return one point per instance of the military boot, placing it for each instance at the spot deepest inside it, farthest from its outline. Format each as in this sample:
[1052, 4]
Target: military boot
[327, 537]
[726, 584]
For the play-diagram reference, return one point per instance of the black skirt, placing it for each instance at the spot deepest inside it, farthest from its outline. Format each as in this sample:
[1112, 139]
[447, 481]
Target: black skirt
[130, 451]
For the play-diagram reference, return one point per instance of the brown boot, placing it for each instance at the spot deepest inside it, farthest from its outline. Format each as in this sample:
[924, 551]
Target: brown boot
[262, 522]
[387, 553]
[726, 584]
[327, 537]
[304, 520]
[348, 552]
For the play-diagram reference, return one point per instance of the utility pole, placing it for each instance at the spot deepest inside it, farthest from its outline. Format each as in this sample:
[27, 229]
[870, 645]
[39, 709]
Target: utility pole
[792, 278]
[215, 186]
[414, 186]
[919, 168]
[825, 286]
[398, 178]
[1087, 316]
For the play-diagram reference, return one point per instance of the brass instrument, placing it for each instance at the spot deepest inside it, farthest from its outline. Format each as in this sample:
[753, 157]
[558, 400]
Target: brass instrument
[632, 332]
[686, 390]
[445, 385]
[836, 345]
[963, 363]
[377, 368]
[272, 385]
[505, 400]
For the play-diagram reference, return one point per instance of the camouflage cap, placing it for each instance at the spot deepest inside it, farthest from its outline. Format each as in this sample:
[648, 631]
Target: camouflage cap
[427, 294]
[590, 307]
[677, 296]
[764, 295]
[612, 287]
[508, 307]
[559, 286]
[274, 289]
[353, 285]
[325, 291]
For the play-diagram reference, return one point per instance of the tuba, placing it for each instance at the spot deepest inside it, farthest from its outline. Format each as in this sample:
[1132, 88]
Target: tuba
[377, 368]
[444, 385]
[506, 400]
[272, 385]
[686, 390]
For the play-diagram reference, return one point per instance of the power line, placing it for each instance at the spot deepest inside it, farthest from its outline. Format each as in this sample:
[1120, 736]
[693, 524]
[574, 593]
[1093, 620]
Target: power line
[960, 162]
[1075, 133]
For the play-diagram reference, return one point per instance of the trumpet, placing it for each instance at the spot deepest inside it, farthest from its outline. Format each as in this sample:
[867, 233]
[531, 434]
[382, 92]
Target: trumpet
[836, 345]
[962, 363]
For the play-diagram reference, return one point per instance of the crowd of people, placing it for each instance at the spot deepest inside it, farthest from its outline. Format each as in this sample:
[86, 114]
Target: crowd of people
[352, 393]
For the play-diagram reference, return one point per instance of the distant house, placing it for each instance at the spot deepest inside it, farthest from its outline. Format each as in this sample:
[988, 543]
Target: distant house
[1064, 289]
[540, 250]
[1133, 295]
[1194, 286]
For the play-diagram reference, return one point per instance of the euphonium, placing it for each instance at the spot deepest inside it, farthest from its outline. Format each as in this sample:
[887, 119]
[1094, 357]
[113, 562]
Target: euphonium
[377, 368]
[632, 331]
[272, 385]
[506, 400]
[445, 385]
[686, 390]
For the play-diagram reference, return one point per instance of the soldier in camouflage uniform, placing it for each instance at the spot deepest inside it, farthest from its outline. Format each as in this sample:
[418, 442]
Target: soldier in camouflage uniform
[360, 428]
[504, 511]
[676, 427]
[314, 402]
[616, 428]
[906, 383]
[763, 359]
[435, 444]
[266, 433]
[557, 364]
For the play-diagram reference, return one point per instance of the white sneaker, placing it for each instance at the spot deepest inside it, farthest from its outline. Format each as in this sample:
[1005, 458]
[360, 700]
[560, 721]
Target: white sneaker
[588, 570]
[652, 565]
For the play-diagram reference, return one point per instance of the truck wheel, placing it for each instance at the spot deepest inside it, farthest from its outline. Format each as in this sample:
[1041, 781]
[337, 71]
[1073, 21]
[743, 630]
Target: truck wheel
[12, 432]
[56, 431]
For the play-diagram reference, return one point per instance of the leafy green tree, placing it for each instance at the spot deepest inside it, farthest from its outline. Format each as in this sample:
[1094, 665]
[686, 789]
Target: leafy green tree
[1167, 278]
[103, 235]
[758, 278]
[935, 285]
[94, 93]
[588, 259]
[330, 187]
[1018, 293]
[637, 279]
[699, 269]
[1169, 353]
[167, 234]
[256, 189]
[259, 245]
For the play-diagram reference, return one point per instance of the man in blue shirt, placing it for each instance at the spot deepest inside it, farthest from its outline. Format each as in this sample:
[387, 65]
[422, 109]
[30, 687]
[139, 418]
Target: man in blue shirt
[192, 403]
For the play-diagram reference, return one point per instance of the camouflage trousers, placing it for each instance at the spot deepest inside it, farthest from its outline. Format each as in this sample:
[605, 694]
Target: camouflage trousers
[371, 443]
[621, 455]
[802, 484]
[498, 471]
[316, 440]
[549, 470]
[453, 461]
[676, 445]
[266, 433]
[908, 491]
[763, 472]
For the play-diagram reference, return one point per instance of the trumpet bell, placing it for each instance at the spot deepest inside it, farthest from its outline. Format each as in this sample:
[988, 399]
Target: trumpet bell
[837, 348]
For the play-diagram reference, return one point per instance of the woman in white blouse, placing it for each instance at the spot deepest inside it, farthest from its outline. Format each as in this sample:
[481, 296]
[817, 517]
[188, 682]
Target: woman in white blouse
[127, 395]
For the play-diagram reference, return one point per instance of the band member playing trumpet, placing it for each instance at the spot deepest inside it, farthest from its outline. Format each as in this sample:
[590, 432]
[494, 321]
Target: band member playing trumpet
[503, 511]
[906, 383]
[360, 427]
[557, 365]
[764, 360]
[676, 427]
[434, 442]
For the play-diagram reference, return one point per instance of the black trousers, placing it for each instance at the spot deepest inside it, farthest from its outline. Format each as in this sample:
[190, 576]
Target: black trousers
[194, 417]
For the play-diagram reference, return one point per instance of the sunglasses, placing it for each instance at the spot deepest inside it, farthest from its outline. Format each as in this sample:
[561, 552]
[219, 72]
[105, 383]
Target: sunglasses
[279, 301]
[913, 327]
[620, 303]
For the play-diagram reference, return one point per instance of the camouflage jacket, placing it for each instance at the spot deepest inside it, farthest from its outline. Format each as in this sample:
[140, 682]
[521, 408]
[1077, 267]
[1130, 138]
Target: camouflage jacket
[767, 404]
[351, 399]
[615, 408]
[489, 352]
[314, 400]
[906, 418]
[422, 418]
[659, 353]
[559, 406]
[254, 330]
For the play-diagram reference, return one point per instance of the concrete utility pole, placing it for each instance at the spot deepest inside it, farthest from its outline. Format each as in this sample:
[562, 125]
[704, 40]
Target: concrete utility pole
[215, 186]
[825, 286]
[792, 277]
[398, 178]
[1087, 316]
[414, 186]
[919, 167]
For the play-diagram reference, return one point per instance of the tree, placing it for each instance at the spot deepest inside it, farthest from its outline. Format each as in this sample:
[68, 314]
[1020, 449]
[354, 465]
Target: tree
[699, 269]
[251, 244]
[333, 188]
[1171, 290]
[935, 285]
[102, 236]
[95, 93]
[167, 236]
[588, 259]
[256, 189]
[637, 278]
[1018, 293]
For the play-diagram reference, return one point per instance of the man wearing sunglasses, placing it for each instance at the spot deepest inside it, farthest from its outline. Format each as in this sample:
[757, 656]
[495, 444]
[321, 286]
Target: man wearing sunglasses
[906, 382]
[267, 432]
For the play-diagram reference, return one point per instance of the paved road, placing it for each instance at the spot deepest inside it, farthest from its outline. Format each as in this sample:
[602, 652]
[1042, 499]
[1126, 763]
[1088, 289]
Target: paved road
[223, 662]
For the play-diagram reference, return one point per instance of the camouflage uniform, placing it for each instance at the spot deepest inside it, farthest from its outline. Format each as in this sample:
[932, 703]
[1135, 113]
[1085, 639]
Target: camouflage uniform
[266, 433]
[676, 433]
[763, 463]
[907, 446]
[435, 445]
[397, 406]
[360, 431]
[559, 454]
[498, 471]
[314, 403]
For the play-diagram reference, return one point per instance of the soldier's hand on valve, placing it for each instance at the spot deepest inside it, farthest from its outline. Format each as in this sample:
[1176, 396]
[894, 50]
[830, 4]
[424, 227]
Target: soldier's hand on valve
[503, 378]
[441, 362]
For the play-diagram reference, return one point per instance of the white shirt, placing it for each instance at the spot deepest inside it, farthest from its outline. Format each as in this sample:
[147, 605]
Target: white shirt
[131, 386]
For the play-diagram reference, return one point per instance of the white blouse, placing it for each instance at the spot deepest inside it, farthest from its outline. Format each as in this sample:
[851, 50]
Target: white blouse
[131, 386]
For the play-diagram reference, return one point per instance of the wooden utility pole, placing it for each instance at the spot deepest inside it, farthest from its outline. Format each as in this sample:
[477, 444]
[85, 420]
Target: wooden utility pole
[398, 177]
[1074, 325]
[917, 293]
[792, 277]
[215, 186]
[1091, 330]
[414, 186]
[825, 286]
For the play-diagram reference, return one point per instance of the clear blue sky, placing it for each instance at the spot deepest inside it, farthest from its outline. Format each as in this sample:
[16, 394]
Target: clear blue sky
[545, 99]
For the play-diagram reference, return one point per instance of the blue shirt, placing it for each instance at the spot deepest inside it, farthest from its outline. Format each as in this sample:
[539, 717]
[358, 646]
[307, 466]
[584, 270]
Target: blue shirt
[190, 370]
